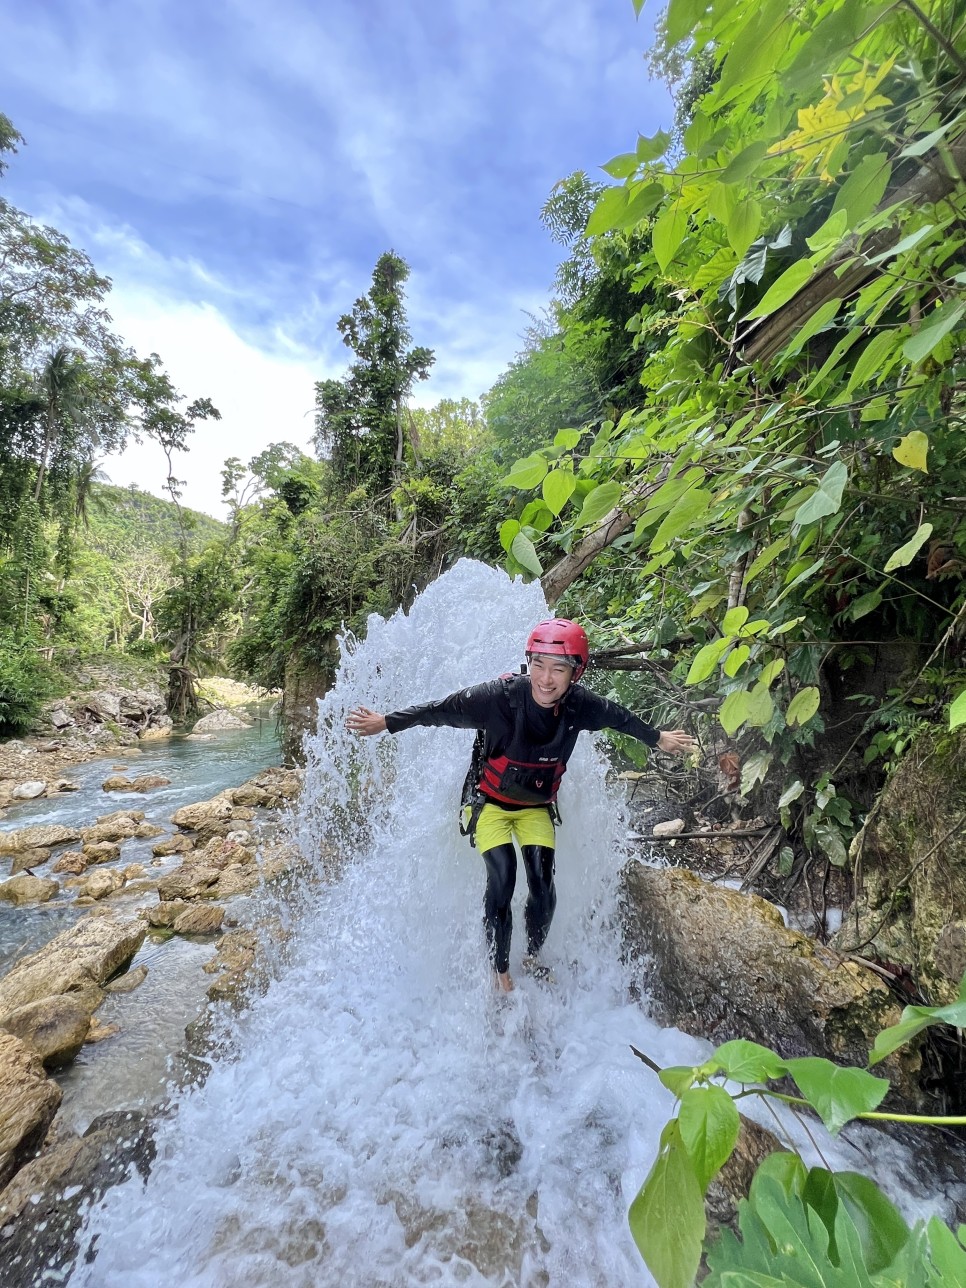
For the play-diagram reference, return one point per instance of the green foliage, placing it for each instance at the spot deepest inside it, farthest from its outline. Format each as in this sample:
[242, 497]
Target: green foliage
[23, 683]
[807, 1227]
[792, 440]
[360, 420]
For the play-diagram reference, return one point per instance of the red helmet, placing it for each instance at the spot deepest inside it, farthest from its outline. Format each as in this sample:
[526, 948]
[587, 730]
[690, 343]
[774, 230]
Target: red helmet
[561, 638]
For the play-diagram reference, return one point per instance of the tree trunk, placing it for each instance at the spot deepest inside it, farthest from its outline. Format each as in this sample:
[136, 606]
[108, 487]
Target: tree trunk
[566, 571]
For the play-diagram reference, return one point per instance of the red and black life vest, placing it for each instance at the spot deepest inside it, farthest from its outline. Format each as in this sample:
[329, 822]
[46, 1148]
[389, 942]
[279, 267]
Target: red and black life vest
[525, 772]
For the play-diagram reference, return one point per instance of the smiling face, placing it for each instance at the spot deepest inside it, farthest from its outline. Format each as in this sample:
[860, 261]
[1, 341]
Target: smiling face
[550, 678]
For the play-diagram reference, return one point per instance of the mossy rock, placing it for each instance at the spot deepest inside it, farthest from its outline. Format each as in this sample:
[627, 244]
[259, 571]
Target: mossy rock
[910, 869]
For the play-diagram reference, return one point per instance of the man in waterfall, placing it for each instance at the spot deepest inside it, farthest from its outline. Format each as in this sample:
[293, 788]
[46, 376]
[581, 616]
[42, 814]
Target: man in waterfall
[528, 726]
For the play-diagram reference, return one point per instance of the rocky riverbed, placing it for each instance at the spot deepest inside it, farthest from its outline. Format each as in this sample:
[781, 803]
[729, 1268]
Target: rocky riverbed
[136, 953]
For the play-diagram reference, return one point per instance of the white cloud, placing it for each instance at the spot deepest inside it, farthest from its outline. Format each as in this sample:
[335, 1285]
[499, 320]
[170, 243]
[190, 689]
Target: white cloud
[263, 397]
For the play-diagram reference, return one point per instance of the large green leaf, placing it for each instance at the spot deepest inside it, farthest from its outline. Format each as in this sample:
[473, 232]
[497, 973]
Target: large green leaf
[668, 233]
[879, 1224]
[947, 1254]
[913, 450]
[912, 1022]
[935, 329]
[667, 1217]
[524, 553]
[682, 517]
[734, 711]
[526, 473]
[863, 189]
[709, 1123]
[599, 502]
[957, 711]
[783, 289]
[827, 499]
[744, 225]
[558, 488]
[803, 706]
[819, 319]
[873, 360]
[906, 553]
[747, 161]
[508, 530]
[682, 18]
[837, 1094]
[746, 1062]
[611, 206]
[761, 706]
[706, 659]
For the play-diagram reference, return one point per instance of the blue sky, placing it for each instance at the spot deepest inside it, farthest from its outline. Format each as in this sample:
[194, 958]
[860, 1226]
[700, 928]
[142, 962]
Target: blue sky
[236, 168]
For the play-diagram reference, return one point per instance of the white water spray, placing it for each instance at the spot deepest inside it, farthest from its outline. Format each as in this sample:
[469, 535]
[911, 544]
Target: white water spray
[384, 1122]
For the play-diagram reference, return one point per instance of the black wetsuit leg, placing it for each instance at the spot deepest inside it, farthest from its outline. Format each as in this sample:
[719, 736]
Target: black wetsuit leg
[501, 877]
[538, 861]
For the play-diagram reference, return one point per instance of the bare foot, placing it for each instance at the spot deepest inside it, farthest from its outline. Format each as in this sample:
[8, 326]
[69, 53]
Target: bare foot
[535, 968]
[502, 982]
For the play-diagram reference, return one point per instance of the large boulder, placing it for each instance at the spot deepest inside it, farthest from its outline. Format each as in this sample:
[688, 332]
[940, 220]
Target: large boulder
[100, 884]
[187, 883]
[269, 789]
[910, 869]
[54, 1026]
[723, 965]
[42, 1210]
[89, 952]
[43, 836]
[218, 720]
[28, 859]
[29, 1100]
[201, 919]
[119, 827]
[27, 889]
[29, 791]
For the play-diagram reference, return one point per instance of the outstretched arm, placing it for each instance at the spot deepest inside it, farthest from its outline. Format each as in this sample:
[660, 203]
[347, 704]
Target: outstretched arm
[365, 722]
[676, 741]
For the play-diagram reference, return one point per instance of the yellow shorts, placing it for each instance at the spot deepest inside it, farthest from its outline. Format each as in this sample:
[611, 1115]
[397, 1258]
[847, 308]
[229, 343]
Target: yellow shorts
[498, 826]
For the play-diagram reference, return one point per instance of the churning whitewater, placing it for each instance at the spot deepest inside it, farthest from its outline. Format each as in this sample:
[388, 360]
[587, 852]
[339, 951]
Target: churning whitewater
[382, 1119]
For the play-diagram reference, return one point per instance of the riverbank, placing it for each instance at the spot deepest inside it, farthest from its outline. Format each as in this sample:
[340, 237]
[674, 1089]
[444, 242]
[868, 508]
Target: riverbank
[98, 1018]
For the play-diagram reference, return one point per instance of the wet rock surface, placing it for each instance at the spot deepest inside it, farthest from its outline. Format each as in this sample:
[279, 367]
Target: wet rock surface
[723, 965]
[29, 1100]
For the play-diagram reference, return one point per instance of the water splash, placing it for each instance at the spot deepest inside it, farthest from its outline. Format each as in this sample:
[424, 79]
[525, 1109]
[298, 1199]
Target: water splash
[383, 1121]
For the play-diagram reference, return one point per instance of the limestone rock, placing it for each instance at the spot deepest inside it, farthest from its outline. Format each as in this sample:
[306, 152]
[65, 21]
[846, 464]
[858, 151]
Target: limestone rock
[232, 964]
[105, 705]
[89, 952]
[117, 783]
[146, 831]
[218, 720]
[194, 817]
[174, 844]
[99, 1031]
[914, 841]
[54, 1026]
[43, 836]
[26, 889]
[29, 791]
[165, 913]
[100, 884]
[222, 852]
[71, 861]
[149, 782]
[202, 919]
[133, 871]
[28, 859]
[269, 789]
[120, 828]
[673, 827]
[237, 879]
[66, 785]
[135, 815]
[722, 965]
[102, 852]
[127, 982]
[42, 1209]
[29, 1101]
[187, 883]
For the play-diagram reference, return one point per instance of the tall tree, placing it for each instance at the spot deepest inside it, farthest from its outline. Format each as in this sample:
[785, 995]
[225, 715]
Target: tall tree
[360, 419]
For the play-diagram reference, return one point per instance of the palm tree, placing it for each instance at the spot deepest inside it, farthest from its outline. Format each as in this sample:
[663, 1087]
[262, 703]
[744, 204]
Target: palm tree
[86, 498]
[62, 390]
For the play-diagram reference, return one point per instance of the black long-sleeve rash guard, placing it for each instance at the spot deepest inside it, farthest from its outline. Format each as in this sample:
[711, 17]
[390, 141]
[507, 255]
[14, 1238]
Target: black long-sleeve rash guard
[487, 707]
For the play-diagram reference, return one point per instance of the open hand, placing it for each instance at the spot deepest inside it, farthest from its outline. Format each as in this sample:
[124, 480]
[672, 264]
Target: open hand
[365, 722]
[677, 742]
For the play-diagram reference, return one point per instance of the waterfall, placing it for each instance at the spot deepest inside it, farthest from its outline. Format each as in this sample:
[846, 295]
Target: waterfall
[384, 1119]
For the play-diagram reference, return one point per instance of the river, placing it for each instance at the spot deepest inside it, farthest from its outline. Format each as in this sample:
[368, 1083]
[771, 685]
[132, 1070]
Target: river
[382, 1119]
